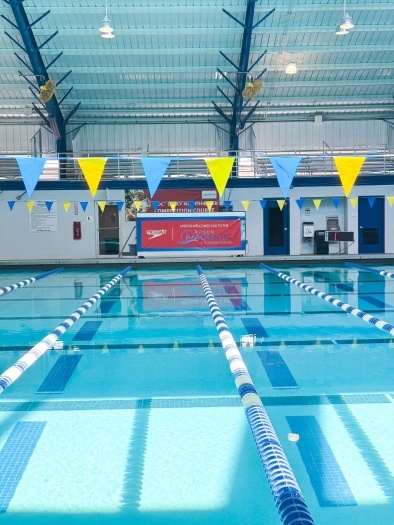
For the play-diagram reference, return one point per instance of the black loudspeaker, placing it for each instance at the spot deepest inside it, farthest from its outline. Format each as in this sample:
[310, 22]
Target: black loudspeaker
[223, 208]
[320, 244]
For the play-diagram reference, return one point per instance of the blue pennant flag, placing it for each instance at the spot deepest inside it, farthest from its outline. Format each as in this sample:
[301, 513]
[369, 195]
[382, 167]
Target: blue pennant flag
[191, 205]
[227, 205]
[263, 202]
[11, 204]
[300, 202]
[120, 205]
[285, 168]
[371, 201]
[336, 201]
[154, 168]
[31, 169]
[84, 205]
[155, 205]
[49, 205]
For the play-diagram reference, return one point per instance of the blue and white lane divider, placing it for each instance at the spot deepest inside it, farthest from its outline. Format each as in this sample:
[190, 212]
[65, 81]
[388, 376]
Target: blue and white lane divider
[368, 318]
[370, 270]
[26, 282]
[16, 370]
[287, 494]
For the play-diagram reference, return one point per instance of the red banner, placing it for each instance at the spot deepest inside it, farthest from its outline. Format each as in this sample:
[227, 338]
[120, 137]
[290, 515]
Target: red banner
[189, 233]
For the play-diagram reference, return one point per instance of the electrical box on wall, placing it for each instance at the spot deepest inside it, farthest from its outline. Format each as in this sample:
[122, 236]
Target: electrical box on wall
[308, 229]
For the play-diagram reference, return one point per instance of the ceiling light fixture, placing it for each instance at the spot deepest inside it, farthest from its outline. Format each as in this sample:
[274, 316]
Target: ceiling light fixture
[106, 26]
[291, 68]
[341, 31]
[347, 22]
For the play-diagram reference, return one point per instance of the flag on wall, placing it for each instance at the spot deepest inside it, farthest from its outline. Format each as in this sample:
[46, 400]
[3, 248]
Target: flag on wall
[31, 169]
[285, 168]
[220, 170]
[154, 169]
[92, 169]
[348, 170]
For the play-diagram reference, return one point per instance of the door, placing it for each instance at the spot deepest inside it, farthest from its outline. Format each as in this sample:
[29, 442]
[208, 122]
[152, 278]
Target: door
[108, 221]
[276, 228]
[370, 225]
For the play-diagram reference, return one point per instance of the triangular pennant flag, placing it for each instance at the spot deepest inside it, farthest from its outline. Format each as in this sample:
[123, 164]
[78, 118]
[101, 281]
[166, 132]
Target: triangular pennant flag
[371, 201]
[209, 205]
[391, 200]
[353, 202]
[154, 168]
[119, 205]
[66, 205]
[285, 168]
[101, 205]
[30, 205]
[137, 205]
[173, 205]
[245, 204]
[191, 205]
[227, 205]
[84, 205]
[155, 205]
[49, 205]
[300, 202]
[31, 169]
[336, 201]
[281, 203]
[263, 202]
[11, 204]
[348, 170]
[317, 203]
[220, 170]
[92, 169]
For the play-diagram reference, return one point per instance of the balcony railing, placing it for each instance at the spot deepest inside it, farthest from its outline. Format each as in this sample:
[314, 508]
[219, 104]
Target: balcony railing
[253, 164]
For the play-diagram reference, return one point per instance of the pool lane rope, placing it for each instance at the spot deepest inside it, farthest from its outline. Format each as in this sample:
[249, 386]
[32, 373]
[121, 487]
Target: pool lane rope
[287, 494]
[17, 369]
[26, 282]
[368, 318]
[371, 270]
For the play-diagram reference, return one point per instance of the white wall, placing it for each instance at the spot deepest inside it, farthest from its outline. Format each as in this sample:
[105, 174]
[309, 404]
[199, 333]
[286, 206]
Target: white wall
[18, 243]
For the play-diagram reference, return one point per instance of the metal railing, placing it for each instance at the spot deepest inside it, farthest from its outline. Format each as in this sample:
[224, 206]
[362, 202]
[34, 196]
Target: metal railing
[251, 164]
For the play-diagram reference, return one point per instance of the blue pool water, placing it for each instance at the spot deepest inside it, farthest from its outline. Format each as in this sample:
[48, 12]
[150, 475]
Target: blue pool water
[137, 418]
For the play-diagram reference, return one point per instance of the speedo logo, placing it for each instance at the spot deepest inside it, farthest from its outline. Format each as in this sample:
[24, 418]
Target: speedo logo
[155, 233]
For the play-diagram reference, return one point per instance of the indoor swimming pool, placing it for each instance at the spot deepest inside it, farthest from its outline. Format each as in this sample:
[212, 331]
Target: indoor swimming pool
[134, 417]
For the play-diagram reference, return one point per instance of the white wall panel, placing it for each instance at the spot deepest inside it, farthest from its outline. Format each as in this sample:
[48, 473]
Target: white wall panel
[125, 138]
[301, 136]
[15, 139]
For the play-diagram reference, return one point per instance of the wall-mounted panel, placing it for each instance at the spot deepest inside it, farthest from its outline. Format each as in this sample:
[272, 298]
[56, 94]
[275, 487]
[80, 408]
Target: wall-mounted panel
[143, 138]
[331, 135]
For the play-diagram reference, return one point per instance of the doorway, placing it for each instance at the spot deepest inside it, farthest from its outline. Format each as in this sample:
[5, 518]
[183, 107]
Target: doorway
[108, 237]
[370, 225]
[276, 228]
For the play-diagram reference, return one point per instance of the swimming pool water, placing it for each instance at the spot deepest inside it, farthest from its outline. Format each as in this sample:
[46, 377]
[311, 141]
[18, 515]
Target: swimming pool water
[137, 418]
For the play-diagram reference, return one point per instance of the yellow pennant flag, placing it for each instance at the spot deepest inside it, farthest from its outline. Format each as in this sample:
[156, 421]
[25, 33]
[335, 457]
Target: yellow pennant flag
[173, 205]
[30, 205]
[391, 200]
[137, 205]
[220, 170]
[348, 169]
[102, 205]
[92, 169]
[353, 202]
[317, 203]
[281, 203]
[245, 204]
[209, 205]
[66, 205]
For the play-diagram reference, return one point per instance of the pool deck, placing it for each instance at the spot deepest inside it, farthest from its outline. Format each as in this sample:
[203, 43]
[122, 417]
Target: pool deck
[135, 261]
